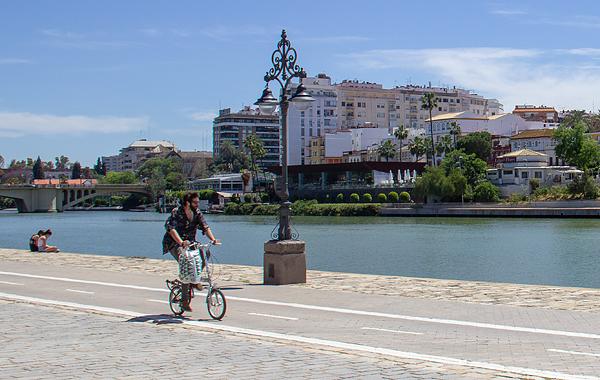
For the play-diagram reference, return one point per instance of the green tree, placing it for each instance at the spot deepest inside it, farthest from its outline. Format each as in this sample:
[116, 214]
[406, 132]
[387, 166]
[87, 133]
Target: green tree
[416, 146]
[100, 167]
[169, 167]
[76, 170]
[575, 148]
[255, 146]
[126, 177]
[230, 159]
[486, 192]
[434, 181]
[478, 143]
[576, 117]
[62, 162]
[471, 167]
[387, 150]
[156, 183]
[455, 131]
[38, 169]
[429, 103]
[401, 134]
[1, 162]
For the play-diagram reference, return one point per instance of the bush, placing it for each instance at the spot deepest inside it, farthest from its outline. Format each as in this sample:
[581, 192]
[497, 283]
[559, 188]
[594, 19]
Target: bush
[306, 197]
[584, 187]
[340, 198]
[329, 198]
[404, 197]
[486, 192]
[382, 198]
[393, 196]
[517, 197]
[265, 198]
[319, 198]
[294, 198]
[367, 198]
[354, 198]
[247, 198]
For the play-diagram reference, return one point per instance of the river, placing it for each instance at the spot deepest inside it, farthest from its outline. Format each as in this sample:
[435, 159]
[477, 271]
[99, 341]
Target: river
[556, 252]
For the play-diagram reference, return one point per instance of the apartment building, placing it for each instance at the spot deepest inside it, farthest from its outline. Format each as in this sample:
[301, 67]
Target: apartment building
[235, 127]
[320, 118]
[133, 156]
[365, 104]
[537, 140]
[540, 114]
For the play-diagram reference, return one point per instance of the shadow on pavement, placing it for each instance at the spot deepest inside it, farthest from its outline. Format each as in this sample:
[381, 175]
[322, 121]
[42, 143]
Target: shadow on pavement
[161, 319]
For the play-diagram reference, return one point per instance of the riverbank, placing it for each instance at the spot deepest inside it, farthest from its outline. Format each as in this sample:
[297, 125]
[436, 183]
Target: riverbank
[546, 297]
[534, 209]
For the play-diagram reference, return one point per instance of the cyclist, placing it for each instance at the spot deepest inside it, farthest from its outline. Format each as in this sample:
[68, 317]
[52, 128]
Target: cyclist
[181, 229]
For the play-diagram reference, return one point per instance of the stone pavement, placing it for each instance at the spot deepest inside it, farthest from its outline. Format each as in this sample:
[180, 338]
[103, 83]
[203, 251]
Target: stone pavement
[41, 342]
[545, 297]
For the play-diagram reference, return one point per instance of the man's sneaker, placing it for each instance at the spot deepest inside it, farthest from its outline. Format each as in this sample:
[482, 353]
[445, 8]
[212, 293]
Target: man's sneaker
[185, 306]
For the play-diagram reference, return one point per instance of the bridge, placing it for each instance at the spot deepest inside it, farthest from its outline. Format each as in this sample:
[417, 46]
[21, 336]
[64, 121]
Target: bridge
[57, 198]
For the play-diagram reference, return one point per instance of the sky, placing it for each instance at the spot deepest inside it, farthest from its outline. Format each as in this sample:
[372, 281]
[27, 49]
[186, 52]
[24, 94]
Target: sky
[86, 78]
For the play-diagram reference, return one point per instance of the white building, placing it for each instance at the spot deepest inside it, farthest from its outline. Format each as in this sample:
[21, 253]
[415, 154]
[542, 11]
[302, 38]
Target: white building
[504, 125]
[320, 118]
[515, 170]
[538, 140]
[231, 183]
[133, 157]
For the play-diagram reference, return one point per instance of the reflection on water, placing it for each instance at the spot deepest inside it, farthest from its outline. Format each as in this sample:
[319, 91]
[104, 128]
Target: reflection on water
[561, 252]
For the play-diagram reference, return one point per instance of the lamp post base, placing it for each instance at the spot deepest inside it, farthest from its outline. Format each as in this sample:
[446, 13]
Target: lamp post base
[284, 262]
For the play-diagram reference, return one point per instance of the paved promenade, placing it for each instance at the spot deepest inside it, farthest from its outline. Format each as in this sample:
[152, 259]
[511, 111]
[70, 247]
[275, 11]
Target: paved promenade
[86, 333]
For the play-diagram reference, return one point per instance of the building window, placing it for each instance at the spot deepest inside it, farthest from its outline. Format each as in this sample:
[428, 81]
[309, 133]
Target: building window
[537, 174]
[301, 131]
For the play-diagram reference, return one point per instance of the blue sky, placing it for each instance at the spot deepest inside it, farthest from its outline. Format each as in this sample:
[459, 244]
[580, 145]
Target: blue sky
[84, 79]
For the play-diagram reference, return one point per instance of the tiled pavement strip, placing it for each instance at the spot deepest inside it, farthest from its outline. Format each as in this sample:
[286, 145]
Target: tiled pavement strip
[98, 346]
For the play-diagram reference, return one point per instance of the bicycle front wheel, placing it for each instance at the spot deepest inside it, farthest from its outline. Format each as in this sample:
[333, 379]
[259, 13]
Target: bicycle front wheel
[216, 304]
[175, 300]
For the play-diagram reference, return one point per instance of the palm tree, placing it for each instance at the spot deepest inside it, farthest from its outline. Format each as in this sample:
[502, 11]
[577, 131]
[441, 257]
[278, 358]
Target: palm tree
[455, 131]
[401, 133]
[387, 149]
[429, 147]
[575, 117]
[447, 144]
[429, 102]
[416, 146]
[254, 145]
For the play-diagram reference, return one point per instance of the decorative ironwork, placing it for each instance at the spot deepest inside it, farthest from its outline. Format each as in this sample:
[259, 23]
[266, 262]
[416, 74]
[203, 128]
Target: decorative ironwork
[295, 235]
[284, 64]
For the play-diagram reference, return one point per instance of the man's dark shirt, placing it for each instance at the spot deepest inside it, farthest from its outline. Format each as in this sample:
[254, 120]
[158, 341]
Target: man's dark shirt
[185, 227]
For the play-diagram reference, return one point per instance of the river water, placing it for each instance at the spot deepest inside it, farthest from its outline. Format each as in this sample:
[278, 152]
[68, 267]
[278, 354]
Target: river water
[557, 252]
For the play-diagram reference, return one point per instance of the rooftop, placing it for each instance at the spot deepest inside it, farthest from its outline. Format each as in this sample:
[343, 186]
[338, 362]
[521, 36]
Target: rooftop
[533, 133]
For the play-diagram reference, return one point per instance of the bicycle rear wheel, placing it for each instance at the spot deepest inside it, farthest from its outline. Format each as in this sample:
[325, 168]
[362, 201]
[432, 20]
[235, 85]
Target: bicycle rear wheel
[175, 300]
[216, 304]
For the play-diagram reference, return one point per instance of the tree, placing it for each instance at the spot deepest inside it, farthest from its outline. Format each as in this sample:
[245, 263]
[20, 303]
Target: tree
[230, 159]
[38, 169]
[401, 133]
[62, 162]
[416, 147]
[478, 143]
[119, 178]
[429, 102]
[471, 167]
[387, 149]
[435, 181]
[100, 167]
[575, 148]
[254, 145]
[156, 183]
[76, 170]
[1, 162]
[576, 117]
[455, 131]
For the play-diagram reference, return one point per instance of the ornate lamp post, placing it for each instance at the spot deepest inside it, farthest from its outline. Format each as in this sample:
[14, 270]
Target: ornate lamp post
[283, 71]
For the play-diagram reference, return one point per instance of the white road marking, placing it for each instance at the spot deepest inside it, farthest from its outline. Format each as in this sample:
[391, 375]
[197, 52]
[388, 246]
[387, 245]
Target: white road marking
[321, 342]
[573, 352]
[10, 283]
[159, 301]
[394, 331]
[338, 310]
[274, 316]
[79, 291]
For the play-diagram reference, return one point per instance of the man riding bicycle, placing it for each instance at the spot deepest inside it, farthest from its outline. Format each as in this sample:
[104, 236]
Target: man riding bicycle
[181, 229]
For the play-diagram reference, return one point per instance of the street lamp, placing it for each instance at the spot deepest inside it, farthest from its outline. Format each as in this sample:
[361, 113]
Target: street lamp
[283, 71]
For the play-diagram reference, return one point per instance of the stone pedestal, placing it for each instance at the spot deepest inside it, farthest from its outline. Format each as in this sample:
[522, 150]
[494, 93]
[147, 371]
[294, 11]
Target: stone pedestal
[284, 262]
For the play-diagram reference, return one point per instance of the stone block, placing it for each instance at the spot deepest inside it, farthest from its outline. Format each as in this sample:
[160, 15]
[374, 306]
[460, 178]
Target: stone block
[284, 262]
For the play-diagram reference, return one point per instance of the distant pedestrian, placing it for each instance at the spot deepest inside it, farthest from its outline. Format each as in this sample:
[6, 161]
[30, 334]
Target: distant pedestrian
[42, 242]
[33, 241]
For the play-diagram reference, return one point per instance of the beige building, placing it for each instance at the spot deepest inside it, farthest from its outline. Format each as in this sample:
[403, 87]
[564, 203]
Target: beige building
[133, 157]
[538, 140]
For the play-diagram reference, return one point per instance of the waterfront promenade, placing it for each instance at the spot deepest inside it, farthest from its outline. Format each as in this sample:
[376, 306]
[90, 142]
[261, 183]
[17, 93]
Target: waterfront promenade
[519, 331]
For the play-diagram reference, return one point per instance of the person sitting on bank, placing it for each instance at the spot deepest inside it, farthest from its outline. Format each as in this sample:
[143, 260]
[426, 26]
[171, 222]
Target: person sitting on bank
[33, 241]
[42, 242]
